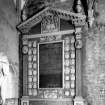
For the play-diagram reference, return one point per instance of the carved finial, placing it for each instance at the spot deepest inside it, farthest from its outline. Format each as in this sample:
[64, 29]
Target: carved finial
[24, 16]
[90, 17]
[91, 10]
[78, 6]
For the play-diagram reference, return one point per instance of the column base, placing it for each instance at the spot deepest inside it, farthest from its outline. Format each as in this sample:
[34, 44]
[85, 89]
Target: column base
[12, 101]
[79, 100]
[25, 100]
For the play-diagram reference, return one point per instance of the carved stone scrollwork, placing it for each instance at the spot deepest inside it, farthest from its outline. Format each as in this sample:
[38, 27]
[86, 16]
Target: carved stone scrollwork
[50, 23]
[78, 42]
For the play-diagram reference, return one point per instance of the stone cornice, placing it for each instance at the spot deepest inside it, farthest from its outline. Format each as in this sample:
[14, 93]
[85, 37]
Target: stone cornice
[76, 18]
[26, 25]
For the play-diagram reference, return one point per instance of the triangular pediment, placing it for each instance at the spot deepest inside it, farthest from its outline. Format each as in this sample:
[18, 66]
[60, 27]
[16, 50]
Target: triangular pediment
[77, 19]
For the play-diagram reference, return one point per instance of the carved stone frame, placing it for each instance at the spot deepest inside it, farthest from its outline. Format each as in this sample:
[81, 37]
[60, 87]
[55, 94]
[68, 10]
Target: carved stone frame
[58, 39]
[62, 63]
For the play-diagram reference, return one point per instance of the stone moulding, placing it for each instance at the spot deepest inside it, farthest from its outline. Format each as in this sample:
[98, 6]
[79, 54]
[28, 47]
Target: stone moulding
[77, 19]
[26, 36]
[12, 101]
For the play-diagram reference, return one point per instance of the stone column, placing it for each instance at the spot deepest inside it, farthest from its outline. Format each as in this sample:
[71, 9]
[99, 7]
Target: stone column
[78, 45]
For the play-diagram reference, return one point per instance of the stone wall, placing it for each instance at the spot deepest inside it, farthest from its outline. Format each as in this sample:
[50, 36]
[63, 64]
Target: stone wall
[9, 36]
[94, 59]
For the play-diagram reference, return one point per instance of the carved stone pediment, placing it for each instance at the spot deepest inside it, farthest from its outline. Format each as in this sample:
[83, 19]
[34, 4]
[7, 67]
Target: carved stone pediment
[77, 19]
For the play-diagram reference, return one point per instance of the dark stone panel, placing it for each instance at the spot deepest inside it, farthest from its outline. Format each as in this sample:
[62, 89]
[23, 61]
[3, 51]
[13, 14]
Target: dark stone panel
[51, 81]
[36, 29]
[45, 102]
[50, 65]
[65, 25]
